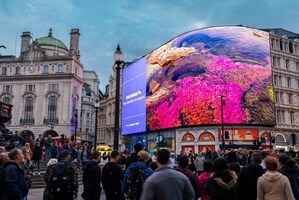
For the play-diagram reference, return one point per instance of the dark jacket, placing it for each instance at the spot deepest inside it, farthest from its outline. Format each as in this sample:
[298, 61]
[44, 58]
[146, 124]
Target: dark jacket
[37, 153]
[112, 177]
[15, 184]
[247, 181]
[291, 173]
[130, 159]
[193, 179]
[54, 152]
[219, 189]
[92, 181]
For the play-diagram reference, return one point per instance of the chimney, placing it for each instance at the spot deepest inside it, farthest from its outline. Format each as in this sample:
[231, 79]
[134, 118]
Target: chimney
[74, 45]
[25, 41]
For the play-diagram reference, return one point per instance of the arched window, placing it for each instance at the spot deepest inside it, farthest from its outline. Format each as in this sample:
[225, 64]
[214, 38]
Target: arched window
[46, 69]
[4, 71]
[60, 68]
[188, 137]
[52, 109]
[28, 110]
[18, 70]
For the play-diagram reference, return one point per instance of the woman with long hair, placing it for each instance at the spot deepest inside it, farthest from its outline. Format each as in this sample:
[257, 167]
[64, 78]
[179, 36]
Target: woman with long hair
[222, 184]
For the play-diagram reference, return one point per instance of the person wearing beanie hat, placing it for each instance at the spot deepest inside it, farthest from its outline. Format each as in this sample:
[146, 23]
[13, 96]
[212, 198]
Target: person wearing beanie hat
[50, 164]
[52, 161]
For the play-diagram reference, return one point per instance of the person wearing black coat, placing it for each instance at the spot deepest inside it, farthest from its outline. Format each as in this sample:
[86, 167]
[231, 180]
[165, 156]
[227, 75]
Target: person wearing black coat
[248, 177]
[222, 184]
[15, 185]
[36, 157]
[133, 157]
[289, 168]
[92, 178]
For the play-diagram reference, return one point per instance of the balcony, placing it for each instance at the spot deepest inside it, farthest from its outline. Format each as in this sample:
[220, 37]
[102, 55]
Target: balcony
[29, 120]
[48, 121]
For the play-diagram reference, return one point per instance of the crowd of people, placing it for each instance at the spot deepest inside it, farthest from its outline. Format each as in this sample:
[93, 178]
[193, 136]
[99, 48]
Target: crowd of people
[235, 174]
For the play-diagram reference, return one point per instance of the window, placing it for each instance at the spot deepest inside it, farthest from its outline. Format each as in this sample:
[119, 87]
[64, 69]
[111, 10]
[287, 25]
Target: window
[278, 118]
[292, 117]
[52, 108]
[280, 81]
[276, 97]
[46, 69]
[7, 88]
[281, 98]
[18, 70]
[30, 88]
[60, 68]
[87, 115]
[289, 82]
[53, 87]
[28, 111]
[4, 71]
[6, 100]
[290, 96]
[282, 116]
[287, 64]
[297, 66]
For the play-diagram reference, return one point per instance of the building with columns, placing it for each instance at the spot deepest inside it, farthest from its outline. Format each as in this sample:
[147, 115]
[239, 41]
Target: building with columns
[44, 85]
[285, 65]
[90, 92]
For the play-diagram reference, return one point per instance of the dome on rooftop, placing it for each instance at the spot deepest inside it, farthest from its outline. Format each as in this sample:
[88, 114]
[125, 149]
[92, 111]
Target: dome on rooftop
[51, 41]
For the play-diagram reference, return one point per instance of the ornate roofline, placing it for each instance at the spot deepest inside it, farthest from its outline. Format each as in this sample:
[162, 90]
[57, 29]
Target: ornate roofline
[40, 77]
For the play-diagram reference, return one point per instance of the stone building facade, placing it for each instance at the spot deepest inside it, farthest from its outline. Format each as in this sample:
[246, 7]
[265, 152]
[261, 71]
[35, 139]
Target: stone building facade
[44, 85]
[285, 65]
[90, 92]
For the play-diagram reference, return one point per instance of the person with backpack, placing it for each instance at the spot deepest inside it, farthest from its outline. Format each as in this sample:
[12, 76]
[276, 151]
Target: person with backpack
[13, 183]
[92, 178]
[51, 163]
[63, 182]
[112, 176]
[135, 175]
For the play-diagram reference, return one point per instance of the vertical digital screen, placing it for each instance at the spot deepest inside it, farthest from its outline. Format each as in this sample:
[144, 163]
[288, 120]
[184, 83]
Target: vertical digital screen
[134, 98]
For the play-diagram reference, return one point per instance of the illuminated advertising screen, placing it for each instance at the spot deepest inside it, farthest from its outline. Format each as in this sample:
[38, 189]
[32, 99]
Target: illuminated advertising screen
[187, 78]
[133, 98]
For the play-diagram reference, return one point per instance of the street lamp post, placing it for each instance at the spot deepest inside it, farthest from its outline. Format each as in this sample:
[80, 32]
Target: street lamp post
[96, 105]
[118, 57]
[76, 125]
[222, 104]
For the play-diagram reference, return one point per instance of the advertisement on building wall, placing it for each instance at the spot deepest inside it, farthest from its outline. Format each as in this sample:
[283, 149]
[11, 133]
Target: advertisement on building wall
[185, 78]
[242, 134]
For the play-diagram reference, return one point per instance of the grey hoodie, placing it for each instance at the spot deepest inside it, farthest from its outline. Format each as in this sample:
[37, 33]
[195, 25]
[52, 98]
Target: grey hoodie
[274, 186]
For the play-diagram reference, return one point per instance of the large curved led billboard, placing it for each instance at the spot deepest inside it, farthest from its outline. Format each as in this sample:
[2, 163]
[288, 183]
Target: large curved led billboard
[187, 78]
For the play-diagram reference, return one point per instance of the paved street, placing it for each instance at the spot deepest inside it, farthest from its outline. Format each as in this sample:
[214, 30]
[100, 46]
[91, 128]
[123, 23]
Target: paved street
[37, 194]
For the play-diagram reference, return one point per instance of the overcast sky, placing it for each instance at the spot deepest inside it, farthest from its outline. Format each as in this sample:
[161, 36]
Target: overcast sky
[140, 26]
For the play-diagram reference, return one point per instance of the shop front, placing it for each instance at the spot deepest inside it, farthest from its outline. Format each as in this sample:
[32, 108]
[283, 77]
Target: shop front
[196, 140]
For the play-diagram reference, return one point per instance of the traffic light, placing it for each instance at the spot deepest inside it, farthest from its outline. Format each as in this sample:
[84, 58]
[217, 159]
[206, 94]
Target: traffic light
[273, 139]
[254, 142]
[226, 135]
[72, 138]
[293, 139]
